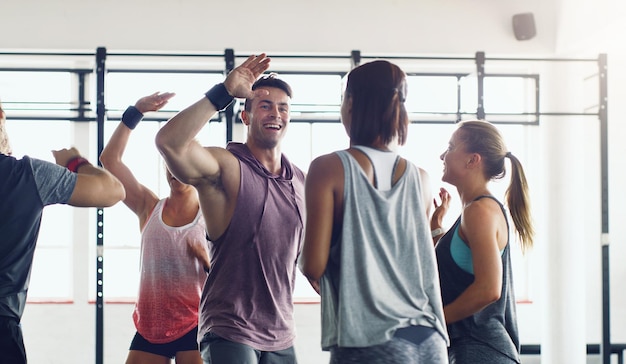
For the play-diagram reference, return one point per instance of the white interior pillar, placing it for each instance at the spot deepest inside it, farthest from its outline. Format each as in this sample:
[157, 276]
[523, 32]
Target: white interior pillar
[564, 333]
[84, 218]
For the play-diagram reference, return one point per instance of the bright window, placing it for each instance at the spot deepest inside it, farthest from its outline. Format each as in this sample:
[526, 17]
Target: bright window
[52, 95]
[315, 130]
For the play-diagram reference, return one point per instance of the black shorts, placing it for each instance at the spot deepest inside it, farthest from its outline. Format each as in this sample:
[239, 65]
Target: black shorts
[168, 350]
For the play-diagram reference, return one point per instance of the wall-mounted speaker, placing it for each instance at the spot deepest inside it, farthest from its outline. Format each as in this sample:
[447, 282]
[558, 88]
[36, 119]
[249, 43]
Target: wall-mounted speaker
[524, 26]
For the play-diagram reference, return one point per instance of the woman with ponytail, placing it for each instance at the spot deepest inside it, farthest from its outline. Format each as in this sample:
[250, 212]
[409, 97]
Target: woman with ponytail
[474, 255]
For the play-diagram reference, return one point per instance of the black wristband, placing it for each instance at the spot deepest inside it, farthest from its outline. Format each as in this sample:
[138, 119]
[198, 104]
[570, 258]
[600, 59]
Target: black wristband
[131, 117]
[219, 96]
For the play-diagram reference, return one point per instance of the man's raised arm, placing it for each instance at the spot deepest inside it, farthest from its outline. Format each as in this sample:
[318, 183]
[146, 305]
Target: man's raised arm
[185, 157]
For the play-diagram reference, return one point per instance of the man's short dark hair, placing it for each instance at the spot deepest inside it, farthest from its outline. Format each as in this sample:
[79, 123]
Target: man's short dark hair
[270, 80]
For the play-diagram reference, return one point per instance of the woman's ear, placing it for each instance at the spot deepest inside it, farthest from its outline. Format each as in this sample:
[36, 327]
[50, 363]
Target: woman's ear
[474, 160]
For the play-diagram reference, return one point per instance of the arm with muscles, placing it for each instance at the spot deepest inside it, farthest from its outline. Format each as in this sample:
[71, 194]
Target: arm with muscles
[95, 187]
[323, 186]
[138, 198]
[187, 160]
[479, 228]
[436, 220]
[213, 171]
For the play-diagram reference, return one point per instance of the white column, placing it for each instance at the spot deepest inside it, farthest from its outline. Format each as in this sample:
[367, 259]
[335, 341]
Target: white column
[564, 323]
[84, 218]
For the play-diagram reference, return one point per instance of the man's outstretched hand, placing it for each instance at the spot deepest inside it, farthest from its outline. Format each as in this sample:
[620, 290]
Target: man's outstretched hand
[153, 102]
[239, 81]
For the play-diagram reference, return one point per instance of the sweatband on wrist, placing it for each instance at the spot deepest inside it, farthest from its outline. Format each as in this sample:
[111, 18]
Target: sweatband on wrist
[131, 117]
[219, 96]
[436, 232]
[75, 163]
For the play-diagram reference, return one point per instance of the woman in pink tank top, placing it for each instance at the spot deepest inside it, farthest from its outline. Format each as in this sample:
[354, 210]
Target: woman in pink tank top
[174, 254]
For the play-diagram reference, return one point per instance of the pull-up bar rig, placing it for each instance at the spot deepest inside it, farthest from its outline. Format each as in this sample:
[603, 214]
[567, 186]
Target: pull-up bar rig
[355, 58]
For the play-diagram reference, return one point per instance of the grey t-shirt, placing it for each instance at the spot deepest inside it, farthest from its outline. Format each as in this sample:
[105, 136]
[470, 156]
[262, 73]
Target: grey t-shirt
[26, 187]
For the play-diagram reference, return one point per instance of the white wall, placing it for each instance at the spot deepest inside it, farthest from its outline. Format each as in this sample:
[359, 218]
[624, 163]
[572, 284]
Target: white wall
[65, 333]
[384, 26]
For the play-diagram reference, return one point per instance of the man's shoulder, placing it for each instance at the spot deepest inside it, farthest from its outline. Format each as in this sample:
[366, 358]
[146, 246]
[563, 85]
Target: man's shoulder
[298, 172]
[10, 164]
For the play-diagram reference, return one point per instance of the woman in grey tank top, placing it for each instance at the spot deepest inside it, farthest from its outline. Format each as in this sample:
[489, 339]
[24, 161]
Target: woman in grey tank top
[368, 249]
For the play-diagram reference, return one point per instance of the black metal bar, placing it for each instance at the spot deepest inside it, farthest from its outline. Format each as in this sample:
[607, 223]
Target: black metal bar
[606, 315]
[54, 118]
[547, 113]
[229, 112]
[162, 70]
[72, 54]
[299, 56]
[606, 273]
[510, 75]
[101, 115]
[421, 58]
[303, 56]
[148, 54]
[355, 58]
[480, 79]
[30, 69]
[458, 75]
[412, 121]
[309, 73]
[545, 59]
[321, 120]
[82, 100]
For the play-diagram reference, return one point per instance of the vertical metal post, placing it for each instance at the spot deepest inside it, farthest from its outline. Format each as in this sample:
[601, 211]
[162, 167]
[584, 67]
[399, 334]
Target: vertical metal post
[82, 101]
[606, 273]
[480, 79]
[229, 112]
[101, 115]
[458, 99]
[356, 58]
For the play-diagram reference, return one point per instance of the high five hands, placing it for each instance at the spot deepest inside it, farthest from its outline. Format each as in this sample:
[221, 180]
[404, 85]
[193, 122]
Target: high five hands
[239, 81]
[153, 102]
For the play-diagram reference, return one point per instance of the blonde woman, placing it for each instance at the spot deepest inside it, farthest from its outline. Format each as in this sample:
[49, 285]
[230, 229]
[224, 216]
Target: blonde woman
[474, 254]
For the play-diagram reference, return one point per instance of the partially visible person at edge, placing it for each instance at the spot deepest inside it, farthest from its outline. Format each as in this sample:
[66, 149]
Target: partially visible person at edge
[174, 253]
[474, 255]
[367, 248]
[28, 185]
[252, 198]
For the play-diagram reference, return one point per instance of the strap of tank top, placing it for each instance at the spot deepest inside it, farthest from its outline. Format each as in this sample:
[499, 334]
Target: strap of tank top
[508, 228]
